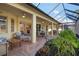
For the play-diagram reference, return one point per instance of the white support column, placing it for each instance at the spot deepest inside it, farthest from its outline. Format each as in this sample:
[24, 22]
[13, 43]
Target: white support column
[9, 27]
[34, 29]
[52, 28]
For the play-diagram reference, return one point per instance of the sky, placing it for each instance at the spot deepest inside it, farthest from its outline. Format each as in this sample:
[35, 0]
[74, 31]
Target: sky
[61, 17]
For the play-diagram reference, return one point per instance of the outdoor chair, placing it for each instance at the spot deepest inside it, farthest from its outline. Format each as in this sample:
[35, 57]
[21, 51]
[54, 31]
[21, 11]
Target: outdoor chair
[17, 35]
[3, 40]
[42, 34]
[25, 36]
[15, 40]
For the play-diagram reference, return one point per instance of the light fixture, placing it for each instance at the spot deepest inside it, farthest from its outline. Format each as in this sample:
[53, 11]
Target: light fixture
[49, 30]
[24, 16]
[60, 29]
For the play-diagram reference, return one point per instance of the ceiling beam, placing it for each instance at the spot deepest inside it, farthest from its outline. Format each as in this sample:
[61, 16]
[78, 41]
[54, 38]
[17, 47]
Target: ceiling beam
[54, 8]
[61, 17]
[64, 11]
[38, 4]
[74, 19]
[77, 4]
[58, 14]
[71, 15]
[71, 11]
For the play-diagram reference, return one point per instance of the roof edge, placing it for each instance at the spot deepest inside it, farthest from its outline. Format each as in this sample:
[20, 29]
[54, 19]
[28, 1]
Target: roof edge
[30, 4]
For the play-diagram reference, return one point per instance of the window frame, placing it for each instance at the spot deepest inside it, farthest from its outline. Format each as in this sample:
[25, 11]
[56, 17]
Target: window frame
[5, 26]
[12, 25]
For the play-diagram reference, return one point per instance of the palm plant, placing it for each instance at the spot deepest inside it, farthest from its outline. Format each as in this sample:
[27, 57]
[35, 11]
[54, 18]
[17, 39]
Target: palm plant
[67, 34]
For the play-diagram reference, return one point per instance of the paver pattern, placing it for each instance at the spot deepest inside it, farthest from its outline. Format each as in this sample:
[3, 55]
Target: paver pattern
[27, 48]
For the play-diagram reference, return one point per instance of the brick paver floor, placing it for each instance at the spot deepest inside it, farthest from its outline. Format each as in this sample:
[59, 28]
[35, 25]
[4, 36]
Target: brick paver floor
[27, 48]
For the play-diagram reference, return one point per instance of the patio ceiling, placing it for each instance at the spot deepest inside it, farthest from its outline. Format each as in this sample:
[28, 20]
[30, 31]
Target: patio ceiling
[67, 12]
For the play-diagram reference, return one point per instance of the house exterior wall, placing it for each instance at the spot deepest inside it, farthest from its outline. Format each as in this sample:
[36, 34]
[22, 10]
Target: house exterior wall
[49, 25]
[17, 19]
[31, 10]
[8, 34]
[9, 17]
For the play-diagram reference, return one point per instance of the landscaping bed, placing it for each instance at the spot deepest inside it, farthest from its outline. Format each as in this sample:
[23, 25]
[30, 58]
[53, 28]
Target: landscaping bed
[66, 44]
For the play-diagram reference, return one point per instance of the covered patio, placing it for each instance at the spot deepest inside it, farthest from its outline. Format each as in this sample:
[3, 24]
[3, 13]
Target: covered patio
[25, 31]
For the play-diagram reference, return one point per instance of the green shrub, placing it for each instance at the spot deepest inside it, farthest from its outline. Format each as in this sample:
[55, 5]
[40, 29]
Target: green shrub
[70, 36]
[59, 47]
[64, 47]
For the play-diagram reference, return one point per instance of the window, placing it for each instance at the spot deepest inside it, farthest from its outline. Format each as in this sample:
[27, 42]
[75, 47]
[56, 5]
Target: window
[12, 25]
[54, 32]
[38, 27]
[3, 24]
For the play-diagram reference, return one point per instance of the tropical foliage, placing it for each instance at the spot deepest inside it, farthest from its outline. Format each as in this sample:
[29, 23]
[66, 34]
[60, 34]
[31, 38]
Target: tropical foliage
[68, 35]
[64, 45]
